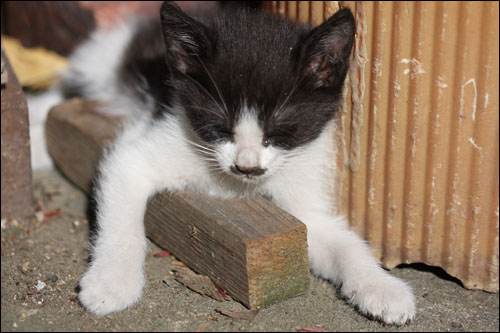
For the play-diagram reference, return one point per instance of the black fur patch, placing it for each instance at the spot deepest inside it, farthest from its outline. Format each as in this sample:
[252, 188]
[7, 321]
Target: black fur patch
[291, 74]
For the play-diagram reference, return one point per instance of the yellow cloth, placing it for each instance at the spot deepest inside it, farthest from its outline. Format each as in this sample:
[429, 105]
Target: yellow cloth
[35, 68]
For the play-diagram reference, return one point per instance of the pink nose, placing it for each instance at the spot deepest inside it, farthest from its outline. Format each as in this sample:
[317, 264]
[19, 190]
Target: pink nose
[247, 163]
[247, 158]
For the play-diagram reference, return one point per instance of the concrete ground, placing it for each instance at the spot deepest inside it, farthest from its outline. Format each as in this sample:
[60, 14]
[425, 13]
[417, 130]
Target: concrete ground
[43, 260]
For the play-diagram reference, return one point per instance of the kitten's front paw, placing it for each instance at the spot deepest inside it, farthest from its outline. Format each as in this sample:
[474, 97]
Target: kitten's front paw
[107, 290]
[385, 298]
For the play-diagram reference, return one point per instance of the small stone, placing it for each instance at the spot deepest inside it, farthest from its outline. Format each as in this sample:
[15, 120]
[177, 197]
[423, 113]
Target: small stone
[53, 278]
[40, 285]
[39, 216]
[25, 267]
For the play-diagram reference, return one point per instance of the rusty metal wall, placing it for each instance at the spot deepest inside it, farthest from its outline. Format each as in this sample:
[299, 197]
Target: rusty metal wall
[419, 132]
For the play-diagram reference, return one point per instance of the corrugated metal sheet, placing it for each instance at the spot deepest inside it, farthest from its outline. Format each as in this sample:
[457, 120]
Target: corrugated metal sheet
[420, 132]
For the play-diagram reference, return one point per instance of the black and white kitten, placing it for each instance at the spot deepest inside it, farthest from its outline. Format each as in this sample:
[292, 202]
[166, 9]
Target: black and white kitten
[234, 105]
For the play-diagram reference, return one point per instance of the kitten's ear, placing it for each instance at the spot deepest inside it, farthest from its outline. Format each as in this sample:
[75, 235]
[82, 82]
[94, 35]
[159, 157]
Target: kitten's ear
[186, 39]
[323, 54]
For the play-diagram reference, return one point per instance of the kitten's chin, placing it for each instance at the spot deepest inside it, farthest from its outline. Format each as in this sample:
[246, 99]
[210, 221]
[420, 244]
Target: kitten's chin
[250, 179]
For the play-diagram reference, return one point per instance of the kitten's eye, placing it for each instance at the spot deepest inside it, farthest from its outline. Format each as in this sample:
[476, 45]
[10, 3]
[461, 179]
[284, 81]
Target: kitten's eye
[225, 133]
[272, 140]
[276, 140]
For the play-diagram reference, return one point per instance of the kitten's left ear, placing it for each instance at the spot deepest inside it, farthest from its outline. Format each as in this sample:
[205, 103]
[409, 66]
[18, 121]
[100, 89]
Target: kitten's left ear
[323, 54]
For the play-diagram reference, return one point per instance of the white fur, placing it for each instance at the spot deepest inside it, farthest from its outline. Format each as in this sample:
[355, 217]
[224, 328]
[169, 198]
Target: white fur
[149, 157]
[38, 109]
[95, 62]
[248, 138]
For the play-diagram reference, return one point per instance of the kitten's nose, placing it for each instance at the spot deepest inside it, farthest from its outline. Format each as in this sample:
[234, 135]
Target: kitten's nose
[246, 162]
[255, 171]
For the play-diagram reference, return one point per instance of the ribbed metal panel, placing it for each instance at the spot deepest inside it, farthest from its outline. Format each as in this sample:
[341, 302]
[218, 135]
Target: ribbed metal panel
[419, 132]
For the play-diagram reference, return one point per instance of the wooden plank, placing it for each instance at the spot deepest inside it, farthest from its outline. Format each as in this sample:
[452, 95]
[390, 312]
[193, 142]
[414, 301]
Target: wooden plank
[76, 138]
[17, 190]
[248, 247]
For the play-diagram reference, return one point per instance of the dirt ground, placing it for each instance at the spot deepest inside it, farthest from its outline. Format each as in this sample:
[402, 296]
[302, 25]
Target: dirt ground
[43, 258]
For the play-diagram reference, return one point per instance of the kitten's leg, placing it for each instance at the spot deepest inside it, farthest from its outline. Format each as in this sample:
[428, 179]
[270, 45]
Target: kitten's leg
[338, 254]
[115, 277]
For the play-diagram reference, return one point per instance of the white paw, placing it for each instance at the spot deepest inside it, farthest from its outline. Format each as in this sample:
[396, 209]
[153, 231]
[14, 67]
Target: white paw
[384, 298]
[110, 289]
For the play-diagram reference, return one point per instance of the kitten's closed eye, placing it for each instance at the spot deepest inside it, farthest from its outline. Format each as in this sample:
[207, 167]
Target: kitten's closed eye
[219, 133]
[279, 140]
[225, 132]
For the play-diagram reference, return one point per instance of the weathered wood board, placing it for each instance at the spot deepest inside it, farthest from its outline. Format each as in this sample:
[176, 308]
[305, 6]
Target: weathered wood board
[248, 247]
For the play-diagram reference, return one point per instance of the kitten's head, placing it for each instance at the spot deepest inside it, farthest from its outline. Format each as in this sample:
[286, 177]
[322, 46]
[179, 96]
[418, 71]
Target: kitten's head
[254, 86]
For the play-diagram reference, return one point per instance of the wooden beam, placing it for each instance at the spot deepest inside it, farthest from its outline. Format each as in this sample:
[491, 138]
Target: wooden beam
[248, 247]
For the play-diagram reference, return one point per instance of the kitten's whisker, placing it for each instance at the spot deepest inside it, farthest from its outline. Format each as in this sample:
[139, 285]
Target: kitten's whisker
[219, 172]
[205, 152]
[203, 108]
[213, 81]
[208, 159]
[292, 155]
[200, 146]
